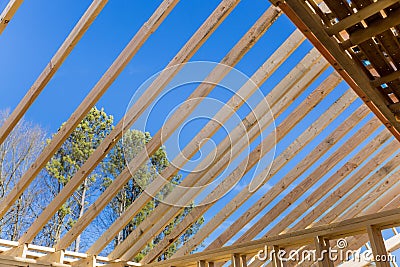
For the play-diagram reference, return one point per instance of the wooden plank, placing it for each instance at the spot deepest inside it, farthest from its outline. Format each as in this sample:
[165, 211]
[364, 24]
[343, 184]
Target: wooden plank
[235, 261]
[276, 262]
[372, 30]
[330, 183]
[217, 74]
[377, 245]
[319, 172]
[362, 189]
[8, 13]
[212, 126]
[51, 68]
[322, 246]
[24, 262]
[244, 166]
[283, 93]
[371, 197]
[359, 16]
[279, 162]
[385, 79]
[336, 195]
[194, 43]
[355, 226]
[311, 27]
[94, 95]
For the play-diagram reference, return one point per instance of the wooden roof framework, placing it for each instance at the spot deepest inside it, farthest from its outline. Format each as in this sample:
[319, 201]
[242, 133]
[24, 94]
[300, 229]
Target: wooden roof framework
[359, 39]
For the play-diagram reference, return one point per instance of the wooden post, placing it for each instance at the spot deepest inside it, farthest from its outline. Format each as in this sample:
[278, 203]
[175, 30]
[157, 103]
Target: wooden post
[322, 247]
[57, 257]
[276, 261]
[244, 260]
[235, 260]
[201, 264]
[19, 251]
[378, 246]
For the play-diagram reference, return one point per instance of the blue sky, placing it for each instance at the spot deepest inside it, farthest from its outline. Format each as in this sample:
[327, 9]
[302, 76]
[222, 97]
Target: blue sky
[40, 26]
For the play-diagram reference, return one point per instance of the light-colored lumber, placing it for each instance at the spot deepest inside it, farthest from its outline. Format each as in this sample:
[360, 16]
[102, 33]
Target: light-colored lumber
[216, 75]
[355, 226]
[94, 95]
[311, 26]
[8, 13]
[267, 143]
[194, 43]
[235, 260]
[345, 187]
[362, 189]
[18, 251]
[278, 93]
[330, 217]
[330, 183]
[359, 16]
[377, 245]
[247, 164]
[324, 146]
[279, 162]
[322, 244]
[221, 117]
[371, 197]
[51, 68]
[319, 172]
[87, 262]
[57, 257]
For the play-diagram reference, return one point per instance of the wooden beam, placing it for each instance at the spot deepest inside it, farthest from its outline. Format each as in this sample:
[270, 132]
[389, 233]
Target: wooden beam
[257, 153]
[330, 183]
[18, 251]
[385, 79]
[283, 93]
[371, 197]
[194, 43]
[57, 256]
[268, 197]
[355, 226]
[212, 126]
[322, 247]
[378, 246]
[235, 260]
[51, 68]
[309, 24]
[90, 261]
[95, 94]
[8, 14]
[303, 186]
[24, 262]
[279, 162]
[380, 174]
[372, 30]
[338, 193]
[276, 262]
[216, 75]
[359, 16]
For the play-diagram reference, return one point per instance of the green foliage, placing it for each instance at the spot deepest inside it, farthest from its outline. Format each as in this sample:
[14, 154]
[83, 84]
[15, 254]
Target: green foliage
[124, 151]
[65, 163]
[72, 155]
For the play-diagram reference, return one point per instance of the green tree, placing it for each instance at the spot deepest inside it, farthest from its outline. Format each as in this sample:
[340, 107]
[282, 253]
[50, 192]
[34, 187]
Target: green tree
[64, 164]
[124, 151]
